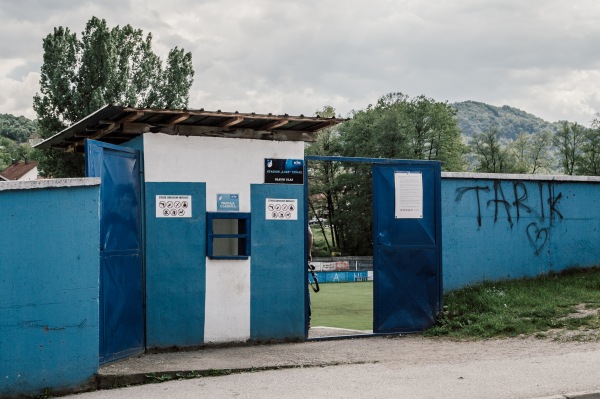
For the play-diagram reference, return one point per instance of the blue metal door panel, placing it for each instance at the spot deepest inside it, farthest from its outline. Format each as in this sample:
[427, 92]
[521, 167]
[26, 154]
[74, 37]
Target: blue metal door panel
[121, 270]
[407, 252]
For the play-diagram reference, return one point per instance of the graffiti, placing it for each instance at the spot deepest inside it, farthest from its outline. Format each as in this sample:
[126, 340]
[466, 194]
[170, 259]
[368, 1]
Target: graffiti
[537, 232]
[537, 236]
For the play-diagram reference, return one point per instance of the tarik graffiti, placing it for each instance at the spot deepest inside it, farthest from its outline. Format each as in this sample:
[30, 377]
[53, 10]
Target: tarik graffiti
[515, 205]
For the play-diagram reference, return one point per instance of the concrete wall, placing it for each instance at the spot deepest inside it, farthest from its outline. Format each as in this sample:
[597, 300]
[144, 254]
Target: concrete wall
[49, 271]
[219, 300]
[510, 226]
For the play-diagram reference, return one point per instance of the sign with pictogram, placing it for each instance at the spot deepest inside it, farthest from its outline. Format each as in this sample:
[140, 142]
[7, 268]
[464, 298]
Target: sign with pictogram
[173, 206]
[281, 209]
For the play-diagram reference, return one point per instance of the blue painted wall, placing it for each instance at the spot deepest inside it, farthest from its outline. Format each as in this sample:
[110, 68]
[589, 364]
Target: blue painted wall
[277, 268]
[49, 265]
[511, 228]
[175, 269]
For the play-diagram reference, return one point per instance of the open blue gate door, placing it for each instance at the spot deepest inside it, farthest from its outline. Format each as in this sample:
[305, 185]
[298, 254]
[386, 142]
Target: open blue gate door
[407, 246]
[121, 270]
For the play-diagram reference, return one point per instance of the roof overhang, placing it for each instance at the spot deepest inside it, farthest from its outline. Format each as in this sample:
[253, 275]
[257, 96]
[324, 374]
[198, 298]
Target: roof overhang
[116, 125]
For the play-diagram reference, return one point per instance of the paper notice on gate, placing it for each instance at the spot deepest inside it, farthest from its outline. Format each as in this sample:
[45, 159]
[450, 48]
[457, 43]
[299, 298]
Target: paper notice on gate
[409, 195]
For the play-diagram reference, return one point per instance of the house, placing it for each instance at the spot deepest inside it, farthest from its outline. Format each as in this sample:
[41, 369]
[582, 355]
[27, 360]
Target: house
[22, 171]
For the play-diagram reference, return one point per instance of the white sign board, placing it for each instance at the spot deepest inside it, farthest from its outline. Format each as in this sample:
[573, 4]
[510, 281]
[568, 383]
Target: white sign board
[173, 206]
[281, 209]
[409, 195]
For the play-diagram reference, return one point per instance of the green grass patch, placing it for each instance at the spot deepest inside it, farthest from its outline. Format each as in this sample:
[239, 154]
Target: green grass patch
[525, 306]
[343, 305]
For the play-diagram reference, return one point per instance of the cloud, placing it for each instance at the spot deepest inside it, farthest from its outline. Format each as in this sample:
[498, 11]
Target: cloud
[295, 57]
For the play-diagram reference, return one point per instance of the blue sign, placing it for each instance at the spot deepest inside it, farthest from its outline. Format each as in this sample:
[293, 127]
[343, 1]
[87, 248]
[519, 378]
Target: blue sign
[228, 202]
[284, 171]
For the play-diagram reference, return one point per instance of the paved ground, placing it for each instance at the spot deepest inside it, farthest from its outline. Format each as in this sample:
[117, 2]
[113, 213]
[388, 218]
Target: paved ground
[400, 367]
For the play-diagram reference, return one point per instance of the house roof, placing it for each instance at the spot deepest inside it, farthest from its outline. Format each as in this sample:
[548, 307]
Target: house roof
[18, 170]
[116, 125]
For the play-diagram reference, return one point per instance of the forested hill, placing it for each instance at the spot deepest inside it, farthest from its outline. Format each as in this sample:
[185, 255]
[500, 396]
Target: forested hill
[475, 117]
[17, 128]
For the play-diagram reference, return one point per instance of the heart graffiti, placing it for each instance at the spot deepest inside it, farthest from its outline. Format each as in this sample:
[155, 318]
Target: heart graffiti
[537, 236]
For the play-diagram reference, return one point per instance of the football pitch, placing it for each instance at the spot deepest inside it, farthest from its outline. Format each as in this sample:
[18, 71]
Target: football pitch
[343, 305]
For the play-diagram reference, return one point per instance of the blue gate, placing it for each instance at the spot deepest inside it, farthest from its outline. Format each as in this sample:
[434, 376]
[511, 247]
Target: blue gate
[121, 270]
[407, 267]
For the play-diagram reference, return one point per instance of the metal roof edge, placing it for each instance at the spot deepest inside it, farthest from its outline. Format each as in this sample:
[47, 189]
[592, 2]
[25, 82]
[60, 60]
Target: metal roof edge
[47, 143]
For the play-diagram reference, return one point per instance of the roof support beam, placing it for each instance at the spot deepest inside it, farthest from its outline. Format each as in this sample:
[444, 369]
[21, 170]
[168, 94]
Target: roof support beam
[274, 125]
[178, 118]
[232, 121]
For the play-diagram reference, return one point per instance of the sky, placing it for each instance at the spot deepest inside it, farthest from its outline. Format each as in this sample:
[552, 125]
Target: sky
[294, 57]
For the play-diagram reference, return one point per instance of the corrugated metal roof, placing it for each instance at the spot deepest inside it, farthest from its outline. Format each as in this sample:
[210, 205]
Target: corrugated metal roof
[17, 170]
[116, 125]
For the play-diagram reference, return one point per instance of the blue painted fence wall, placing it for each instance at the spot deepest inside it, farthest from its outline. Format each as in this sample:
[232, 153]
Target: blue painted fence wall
[507, 226]
[49, 271]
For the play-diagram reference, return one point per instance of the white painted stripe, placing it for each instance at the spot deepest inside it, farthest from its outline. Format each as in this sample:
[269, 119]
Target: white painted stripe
[227, 315]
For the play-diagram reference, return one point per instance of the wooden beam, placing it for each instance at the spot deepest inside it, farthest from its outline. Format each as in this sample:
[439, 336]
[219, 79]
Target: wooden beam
[117, 124]
[274, 124]
[178, 118]
[232, 121]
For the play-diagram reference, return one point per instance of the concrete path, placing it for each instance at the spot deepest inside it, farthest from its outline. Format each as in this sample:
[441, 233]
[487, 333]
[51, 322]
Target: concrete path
[400, 367]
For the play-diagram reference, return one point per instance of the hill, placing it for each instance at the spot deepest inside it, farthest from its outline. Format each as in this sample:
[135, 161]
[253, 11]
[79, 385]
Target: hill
[17, 128]
[475, 117]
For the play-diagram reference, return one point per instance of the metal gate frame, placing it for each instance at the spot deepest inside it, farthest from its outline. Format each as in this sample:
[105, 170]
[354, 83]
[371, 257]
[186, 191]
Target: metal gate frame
[437, 307]
[122, 313]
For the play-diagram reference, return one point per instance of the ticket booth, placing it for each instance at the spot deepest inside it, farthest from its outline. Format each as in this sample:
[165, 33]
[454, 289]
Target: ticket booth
[202, 224]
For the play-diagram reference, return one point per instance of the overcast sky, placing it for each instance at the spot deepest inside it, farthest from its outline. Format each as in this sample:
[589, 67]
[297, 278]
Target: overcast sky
[295, 57]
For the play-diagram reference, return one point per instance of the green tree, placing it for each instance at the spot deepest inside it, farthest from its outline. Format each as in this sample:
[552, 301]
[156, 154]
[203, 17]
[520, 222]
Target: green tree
[492, 155]
[106, 66]
[590, 160]
[397, 127]
[323, 187]
[532, 152]
[569, 142]
[11, 150]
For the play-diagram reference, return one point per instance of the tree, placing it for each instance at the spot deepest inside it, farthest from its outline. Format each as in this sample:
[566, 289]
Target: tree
[323, 188]
[397, 127]
[532, 152]
[590, 160]
[491, 153]
[106, 66]
[11, 150]
[569, 142]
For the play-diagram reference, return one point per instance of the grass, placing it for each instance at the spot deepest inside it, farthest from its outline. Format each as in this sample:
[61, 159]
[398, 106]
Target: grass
[343, 305]
[526, 306]
[567, 301]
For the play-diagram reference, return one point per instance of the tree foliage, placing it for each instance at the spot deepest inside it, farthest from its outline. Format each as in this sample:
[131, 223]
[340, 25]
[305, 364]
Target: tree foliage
[17, 128]
[569, 142]
[11, 150]
[105, 66]
[398, 127]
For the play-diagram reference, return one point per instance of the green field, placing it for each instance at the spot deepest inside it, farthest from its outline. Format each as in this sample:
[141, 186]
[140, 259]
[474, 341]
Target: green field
[343, 305]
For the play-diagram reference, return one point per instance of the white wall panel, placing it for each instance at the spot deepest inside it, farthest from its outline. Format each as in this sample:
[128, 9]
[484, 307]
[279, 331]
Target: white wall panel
[228, 166]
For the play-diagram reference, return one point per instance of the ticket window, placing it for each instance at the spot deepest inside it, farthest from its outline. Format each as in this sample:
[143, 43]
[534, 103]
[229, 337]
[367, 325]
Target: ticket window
[228, 235]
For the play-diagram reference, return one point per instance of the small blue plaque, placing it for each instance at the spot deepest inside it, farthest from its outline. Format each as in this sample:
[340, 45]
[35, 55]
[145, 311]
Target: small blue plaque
[228, 202]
